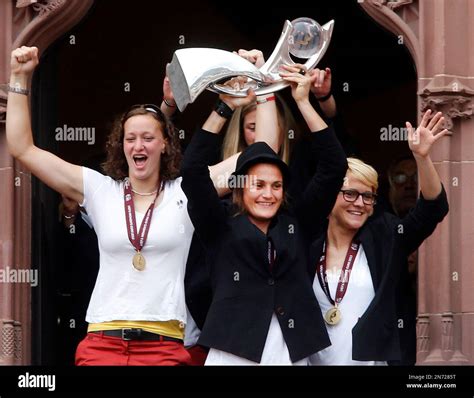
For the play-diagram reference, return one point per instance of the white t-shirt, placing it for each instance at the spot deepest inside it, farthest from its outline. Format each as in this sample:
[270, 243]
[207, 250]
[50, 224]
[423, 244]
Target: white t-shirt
[275, 351]
[121, 292]
[360, 292]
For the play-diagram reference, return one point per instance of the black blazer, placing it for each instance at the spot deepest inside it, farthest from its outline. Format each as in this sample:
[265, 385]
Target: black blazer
[387, 241]
[197, 283]
[197, 280]
[246, 292]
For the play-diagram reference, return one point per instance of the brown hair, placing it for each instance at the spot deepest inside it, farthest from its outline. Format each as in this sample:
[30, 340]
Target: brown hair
[116, 165]
[234, 140]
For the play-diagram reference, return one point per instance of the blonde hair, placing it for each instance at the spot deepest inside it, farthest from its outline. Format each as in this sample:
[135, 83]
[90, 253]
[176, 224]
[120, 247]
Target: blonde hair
[234, 141]
[363, 172]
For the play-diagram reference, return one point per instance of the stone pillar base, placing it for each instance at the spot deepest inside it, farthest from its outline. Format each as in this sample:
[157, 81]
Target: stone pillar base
[445, 339]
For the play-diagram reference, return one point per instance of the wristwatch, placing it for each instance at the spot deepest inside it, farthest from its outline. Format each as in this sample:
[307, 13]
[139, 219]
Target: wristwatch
[223, 110]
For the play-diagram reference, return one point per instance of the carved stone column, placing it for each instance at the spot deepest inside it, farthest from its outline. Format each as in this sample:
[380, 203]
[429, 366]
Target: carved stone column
[31, 23]
[437, 34]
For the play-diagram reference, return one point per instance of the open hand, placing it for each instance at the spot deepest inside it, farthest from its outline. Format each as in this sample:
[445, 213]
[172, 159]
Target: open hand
[428, 132]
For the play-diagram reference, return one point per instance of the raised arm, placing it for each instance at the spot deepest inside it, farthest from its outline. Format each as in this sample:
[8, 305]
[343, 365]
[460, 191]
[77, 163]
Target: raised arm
[266, 123]
[318, 198]
[300, 86]
[168, 104]
[266, 130]
[204, 206]
[220, 172]
[266, 120]
[421, 141]
[63, 177]
[322, 90]
[432, 206]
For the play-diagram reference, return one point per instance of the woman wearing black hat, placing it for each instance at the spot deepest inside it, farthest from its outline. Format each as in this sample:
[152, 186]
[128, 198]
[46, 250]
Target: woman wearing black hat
[263, 309]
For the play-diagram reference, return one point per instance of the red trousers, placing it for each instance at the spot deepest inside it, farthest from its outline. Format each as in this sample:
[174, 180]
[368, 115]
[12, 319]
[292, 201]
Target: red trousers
[96, 349]
[198, 355]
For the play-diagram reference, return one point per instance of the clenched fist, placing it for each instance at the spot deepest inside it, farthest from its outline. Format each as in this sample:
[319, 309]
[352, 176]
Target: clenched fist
[24, 60]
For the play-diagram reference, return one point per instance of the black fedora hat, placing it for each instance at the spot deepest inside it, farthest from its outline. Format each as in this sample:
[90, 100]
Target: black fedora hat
[259, 152]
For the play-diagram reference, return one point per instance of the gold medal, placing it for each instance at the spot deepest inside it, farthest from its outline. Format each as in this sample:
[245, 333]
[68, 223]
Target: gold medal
[333, 316]
[137, 239]
[139, 261]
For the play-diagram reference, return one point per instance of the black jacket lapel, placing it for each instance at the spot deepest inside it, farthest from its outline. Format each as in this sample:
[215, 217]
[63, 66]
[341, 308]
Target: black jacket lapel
[367, 240]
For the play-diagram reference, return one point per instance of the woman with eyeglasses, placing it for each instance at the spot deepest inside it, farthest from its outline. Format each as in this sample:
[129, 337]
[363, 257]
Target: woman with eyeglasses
[356, 259]
[137, 311]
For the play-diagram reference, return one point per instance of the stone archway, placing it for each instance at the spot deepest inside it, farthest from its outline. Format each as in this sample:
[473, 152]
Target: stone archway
[432, 32]
[38, 23]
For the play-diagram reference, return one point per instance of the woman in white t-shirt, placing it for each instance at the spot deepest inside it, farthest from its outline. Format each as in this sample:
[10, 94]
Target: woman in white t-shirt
[137, 312]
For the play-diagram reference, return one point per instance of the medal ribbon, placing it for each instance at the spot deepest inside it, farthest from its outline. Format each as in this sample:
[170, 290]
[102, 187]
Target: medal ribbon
[137, 239]
[343, 278]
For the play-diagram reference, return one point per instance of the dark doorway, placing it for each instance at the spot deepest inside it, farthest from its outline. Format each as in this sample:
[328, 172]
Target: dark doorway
[116, 57]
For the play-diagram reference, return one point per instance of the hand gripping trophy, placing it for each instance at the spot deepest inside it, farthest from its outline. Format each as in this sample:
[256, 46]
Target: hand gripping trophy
[193, 70]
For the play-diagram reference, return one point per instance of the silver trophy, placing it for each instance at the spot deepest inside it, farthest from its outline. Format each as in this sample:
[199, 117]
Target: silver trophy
[193, 70]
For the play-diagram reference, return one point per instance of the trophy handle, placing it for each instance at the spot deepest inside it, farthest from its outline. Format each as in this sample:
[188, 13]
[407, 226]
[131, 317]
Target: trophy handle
[280, 55]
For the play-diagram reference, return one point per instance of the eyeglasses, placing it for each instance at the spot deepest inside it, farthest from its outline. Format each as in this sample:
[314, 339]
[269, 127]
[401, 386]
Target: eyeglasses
[402, 178]
[351, 195]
